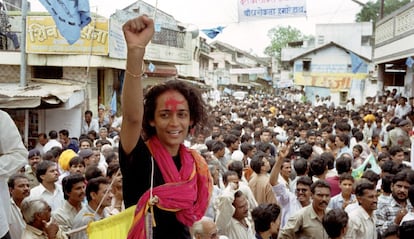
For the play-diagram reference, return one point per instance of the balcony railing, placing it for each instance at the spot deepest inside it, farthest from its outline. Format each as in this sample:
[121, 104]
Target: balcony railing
[398, 24]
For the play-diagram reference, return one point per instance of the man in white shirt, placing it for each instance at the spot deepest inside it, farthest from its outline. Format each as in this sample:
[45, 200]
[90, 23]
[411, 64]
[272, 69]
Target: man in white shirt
[362, 220]
[351, 105]
[13, 156]
[317, 102]
[103, 135]
[53, 141]
[402, 109]
[115, 126]
[42, 141]
[19, 190]
[47, 173]
[289, 202]
[232, 212]
[74, 194]
[89, 123]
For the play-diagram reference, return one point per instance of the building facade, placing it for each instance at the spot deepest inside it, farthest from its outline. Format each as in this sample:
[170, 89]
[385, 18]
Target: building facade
[62, 81]
[394, 37]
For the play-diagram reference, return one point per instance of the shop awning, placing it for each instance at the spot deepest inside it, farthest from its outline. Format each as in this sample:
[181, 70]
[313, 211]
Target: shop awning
[194, 82]
[248, 84]
[52, 94]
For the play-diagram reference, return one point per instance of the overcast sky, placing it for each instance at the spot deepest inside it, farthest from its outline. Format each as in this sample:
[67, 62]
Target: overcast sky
[248, 36]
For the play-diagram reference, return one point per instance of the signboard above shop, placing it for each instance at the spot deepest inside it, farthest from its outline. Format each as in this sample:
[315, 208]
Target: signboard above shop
[43, 37]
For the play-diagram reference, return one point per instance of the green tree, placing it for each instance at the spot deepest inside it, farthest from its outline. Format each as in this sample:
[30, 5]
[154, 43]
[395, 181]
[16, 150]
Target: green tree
[371, 10]
[279, 38]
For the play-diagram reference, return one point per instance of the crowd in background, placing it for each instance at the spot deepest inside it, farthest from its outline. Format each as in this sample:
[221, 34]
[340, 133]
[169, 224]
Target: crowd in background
[270, 157]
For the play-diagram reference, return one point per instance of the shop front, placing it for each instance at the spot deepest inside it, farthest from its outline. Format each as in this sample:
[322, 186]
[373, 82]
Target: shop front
[42, 107]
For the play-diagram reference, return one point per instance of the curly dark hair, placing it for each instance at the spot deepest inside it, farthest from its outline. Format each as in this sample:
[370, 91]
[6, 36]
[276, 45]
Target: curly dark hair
[197, 107]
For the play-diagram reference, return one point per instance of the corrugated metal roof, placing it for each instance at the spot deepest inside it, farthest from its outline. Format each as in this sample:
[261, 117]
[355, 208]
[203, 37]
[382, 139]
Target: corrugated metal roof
[31, 96]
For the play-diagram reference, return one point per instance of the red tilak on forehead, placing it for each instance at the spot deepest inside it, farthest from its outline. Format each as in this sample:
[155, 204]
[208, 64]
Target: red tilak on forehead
[172, 104]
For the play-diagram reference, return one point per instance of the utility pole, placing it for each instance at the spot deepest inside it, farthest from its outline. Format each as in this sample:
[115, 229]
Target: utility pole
[23, 59]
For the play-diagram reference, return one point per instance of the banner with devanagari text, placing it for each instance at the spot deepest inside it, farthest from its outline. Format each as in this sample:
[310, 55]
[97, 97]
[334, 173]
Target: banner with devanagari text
[43, 37]
[265, 9]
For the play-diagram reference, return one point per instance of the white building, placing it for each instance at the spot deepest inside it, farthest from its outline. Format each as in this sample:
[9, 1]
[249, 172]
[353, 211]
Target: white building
[324, 66]
[394, 37]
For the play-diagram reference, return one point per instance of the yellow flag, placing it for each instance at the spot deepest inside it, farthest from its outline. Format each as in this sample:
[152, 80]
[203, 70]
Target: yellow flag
[113, 227]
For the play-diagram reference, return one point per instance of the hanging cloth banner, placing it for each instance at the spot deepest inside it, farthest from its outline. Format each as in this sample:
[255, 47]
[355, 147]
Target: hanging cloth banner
[213, 32]
[70, 16]
[266, 9]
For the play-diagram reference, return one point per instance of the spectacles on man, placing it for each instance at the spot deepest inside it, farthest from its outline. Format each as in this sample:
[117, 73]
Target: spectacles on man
[301, 190]
[213, 235]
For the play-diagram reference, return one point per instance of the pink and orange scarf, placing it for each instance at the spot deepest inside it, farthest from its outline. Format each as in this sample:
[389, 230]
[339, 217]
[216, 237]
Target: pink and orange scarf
[186, 192]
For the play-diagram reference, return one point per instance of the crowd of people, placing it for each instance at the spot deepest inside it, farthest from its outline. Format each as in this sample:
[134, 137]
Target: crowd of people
[266, 167]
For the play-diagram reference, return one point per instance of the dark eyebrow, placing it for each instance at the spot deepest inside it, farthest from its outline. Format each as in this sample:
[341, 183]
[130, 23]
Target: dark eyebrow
[168, 110]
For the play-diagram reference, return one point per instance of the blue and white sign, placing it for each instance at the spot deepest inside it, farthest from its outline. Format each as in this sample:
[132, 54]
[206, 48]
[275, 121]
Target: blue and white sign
[262, 9]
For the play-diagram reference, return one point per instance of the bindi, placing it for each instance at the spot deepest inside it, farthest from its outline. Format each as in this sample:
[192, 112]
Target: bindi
[171, 104]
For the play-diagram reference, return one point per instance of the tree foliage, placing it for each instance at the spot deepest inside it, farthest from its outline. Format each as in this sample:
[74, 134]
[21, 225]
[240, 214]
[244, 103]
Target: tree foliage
[371, 11]
[279, 38]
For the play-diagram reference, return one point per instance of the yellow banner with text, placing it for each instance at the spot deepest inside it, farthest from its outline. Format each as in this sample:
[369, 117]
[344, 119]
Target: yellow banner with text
[44, 37]
[333, 81]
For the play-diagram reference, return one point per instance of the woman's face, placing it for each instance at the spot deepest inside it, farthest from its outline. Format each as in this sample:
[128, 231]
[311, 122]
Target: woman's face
[171, 120]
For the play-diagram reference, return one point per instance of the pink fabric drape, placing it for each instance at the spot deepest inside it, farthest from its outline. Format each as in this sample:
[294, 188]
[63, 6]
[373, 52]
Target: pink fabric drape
[186, 192]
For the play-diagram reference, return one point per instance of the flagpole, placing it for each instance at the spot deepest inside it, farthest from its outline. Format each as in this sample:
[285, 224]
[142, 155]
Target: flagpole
[23, 81]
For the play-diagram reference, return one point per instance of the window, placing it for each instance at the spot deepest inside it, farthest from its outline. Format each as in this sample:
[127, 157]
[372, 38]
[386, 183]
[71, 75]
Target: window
[365, 40]
[227, 65]
[306, 65]
[321, 39]
[215, 66]
[48, 72]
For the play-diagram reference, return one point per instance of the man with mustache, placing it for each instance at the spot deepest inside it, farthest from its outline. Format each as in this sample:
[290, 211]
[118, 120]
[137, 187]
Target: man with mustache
[391, 213]
[74, 193]
[307, 222]
[19, 189]
[34, 159]
[361, 222]
[288, 201]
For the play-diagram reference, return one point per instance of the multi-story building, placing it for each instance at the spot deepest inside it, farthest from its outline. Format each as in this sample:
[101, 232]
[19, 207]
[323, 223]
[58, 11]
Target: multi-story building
[236, 69]
[62, 80]
[394, 37]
